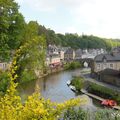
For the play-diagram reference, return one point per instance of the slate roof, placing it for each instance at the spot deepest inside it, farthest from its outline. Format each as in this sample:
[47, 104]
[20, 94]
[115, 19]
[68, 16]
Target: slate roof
[110, 72]
[108, 57]
[79, 51]
[69, 51]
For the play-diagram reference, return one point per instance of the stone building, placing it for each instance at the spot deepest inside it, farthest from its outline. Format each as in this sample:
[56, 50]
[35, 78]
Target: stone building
[106, 68]
[110, 76]
[104, 61]
[69, 55]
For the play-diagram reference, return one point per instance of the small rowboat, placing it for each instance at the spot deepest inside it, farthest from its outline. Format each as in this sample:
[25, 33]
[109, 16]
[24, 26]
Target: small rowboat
[68, 82]
[109, 103]
[72, 88]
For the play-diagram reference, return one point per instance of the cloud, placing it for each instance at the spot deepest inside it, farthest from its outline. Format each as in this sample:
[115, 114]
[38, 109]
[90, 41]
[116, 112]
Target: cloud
[99, 17]
[45, 5]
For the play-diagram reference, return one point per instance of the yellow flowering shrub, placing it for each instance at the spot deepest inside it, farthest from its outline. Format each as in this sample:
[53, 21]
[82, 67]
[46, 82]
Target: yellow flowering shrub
[35, 107]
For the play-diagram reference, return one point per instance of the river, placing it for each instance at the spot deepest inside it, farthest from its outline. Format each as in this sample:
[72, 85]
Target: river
[54, 87]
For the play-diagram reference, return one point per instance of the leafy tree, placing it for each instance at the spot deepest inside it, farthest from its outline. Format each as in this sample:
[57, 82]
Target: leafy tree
[33, 57]
[35, 107]
[11, 28]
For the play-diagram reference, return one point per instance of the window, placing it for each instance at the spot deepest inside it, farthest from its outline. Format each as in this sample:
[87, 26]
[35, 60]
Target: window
[111, 65]
[104, 66]
[98, 66]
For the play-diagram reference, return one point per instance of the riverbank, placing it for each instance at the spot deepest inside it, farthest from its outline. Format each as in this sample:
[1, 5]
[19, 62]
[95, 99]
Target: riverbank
[49, 71]
[52, 87]
[97, 98]
[97, 89]
[103, 92]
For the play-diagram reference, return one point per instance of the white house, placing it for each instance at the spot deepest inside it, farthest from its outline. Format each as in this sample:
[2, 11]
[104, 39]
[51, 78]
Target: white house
[4, 66]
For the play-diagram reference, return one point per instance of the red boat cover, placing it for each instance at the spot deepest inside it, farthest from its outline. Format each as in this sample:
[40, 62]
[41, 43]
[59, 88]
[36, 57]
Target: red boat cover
[109, 103]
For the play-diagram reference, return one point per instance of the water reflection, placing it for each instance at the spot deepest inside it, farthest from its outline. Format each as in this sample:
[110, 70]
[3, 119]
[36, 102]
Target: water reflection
[53, 87]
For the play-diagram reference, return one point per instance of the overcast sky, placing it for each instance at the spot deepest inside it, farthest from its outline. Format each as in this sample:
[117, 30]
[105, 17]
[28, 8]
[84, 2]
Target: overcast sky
[96, 17]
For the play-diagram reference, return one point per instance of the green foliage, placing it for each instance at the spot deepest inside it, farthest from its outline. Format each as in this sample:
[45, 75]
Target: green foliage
[104, 92]
[27, 76]
[74, 114]
[79, 114]
[72, 65]
[4, 80]
[11, 28]
[35, 107]
[32, 57]
[75, 41]
[78, 82]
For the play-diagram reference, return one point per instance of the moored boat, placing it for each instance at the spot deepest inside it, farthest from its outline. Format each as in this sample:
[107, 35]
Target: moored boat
[68, 82]
[72, 88]
[109, 103]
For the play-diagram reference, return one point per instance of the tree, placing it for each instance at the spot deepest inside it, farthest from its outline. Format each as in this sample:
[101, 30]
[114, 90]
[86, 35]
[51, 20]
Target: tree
[35, 107]
[11, 28]
[32, 58]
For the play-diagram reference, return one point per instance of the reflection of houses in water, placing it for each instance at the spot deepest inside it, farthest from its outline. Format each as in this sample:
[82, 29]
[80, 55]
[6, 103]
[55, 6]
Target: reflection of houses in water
[41, 84]
[44, 84]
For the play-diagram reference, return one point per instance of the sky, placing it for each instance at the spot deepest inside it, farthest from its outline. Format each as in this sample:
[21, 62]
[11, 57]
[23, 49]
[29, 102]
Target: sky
[91, 17]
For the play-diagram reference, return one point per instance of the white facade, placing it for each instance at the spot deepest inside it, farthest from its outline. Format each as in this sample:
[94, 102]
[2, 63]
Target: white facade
[62, 55]
[4, 66]
[110, 65]
[54, 60]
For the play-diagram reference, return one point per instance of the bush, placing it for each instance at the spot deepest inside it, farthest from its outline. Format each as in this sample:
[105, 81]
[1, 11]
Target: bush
[74, 114]
[27, 76]
[104, 92]
[4, 79]
[78, 82]
[79, 114]
[72, 65]
[35, 107]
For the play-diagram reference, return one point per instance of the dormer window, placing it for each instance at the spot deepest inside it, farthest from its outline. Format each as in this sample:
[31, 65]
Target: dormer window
[104, 66]
[104, 59]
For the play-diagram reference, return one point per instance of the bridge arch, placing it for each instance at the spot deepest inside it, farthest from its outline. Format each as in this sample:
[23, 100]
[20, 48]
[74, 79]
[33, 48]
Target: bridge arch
[89, 61]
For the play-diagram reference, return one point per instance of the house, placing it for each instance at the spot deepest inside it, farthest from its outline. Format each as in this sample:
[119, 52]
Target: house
[84, 51]
[69, 55]
[104, 61]
[61, 53]
[4, 66]
[55, 60]
[116, 50]
[52, 49]
[47, 62]
[78, 54]
[110, 76]
[106, 68]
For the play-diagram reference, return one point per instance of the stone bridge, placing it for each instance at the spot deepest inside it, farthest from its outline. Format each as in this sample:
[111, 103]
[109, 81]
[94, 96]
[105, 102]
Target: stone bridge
[89, 61]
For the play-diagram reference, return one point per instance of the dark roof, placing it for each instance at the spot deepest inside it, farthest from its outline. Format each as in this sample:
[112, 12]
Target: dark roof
[79, 51]
[108, 57]
[69, 51]
[110, 72]
[116, 49]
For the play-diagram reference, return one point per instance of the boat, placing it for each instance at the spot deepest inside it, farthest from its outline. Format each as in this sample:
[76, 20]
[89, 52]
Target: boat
[109, 103]
[72, 88]
[68, 82]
